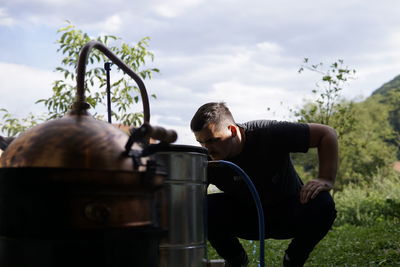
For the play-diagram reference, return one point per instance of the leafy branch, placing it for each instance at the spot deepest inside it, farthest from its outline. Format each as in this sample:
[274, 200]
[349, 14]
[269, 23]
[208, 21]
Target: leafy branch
[329, 88]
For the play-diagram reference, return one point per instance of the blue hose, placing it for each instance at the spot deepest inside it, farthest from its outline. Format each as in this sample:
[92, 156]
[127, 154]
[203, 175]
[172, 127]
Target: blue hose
[256, 197]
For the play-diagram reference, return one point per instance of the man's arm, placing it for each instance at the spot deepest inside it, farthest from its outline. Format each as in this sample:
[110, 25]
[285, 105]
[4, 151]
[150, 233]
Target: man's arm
[324, 138]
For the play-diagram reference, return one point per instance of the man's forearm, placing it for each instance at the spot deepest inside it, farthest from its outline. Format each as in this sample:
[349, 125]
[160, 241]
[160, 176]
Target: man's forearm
[328, 156]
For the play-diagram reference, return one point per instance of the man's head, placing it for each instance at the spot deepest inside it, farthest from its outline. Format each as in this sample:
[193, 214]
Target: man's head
[215, 129]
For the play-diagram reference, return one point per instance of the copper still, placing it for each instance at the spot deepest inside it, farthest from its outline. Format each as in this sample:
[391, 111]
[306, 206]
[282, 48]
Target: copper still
[77, 191]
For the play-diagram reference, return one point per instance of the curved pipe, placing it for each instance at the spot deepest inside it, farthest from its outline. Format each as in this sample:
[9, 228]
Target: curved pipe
[80, 106]
[256, 197]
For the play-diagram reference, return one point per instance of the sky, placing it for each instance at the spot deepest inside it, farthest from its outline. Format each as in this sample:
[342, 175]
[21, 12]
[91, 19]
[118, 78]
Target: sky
[245, 53]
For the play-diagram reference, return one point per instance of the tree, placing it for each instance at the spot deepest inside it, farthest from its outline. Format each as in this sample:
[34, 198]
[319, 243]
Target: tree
[124, 95]
[12, 126]
[363, 128]
[368, 147]
[390, 93]
[328, 108]
[328, 102]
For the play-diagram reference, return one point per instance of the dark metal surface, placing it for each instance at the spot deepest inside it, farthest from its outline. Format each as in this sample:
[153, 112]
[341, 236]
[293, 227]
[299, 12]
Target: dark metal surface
[146, 131]
[107, 67]
[5, 142]
[106, 248]
[79, 106]
[57, 202]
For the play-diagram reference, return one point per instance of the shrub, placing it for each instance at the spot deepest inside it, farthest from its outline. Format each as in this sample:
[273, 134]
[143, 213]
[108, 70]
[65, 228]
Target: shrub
[367, 203]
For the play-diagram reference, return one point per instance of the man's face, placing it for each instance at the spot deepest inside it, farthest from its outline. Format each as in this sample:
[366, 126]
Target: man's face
[217, 141]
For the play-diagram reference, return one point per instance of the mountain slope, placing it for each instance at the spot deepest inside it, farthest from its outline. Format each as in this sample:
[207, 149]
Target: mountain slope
[392, 85]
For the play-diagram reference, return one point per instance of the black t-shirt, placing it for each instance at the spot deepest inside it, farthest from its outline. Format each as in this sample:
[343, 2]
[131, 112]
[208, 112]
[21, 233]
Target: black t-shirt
[266, 160]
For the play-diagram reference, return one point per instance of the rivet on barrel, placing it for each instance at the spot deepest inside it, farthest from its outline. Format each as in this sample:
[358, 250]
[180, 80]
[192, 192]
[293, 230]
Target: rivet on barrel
[97, 212]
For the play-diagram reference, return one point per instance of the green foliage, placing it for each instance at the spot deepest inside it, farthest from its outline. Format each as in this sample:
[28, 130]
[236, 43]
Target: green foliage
[350, 245]
[393, 100]
[124, 95]
[389, 95]
[328, 108]
[368, 203]
[364, 132]
[385, 89]
[366, 231]
[328, 90]
[11, 126]
[367, 148]
[346, 245]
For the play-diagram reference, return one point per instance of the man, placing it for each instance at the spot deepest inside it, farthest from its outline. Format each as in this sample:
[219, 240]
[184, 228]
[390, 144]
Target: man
[262, 149]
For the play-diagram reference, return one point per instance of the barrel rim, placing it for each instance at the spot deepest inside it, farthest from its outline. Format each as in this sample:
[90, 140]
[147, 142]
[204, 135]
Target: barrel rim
[176, 148]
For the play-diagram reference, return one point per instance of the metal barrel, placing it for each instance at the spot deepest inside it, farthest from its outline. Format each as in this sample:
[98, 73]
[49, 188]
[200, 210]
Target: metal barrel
[182, 206]
[53, 217]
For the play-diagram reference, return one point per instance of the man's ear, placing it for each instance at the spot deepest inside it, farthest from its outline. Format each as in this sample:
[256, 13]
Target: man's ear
[233, 130]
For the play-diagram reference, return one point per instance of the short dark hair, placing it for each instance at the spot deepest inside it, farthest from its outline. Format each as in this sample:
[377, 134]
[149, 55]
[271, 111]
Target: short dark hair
[213, 112]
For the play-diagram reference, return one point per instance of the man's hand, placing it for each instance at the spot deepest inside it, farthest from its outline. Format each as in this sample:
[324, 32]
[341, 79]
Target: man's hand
[311, 189]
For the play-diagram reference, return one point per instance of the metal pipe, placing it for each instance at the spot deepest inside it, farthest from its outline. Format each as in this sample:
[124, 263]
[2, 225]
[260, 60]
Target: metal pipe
[256, 197]
[80, 106]
[107, 67]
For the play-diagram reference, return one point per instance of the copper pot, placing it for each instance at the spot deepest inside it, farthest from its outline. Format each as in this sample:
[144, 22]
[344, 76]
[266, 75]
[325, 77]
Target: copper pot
[88, 162]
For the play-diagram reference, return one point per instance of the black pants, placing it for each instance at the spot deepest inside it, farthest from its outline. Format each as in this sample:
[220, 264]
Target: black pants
[230, 218]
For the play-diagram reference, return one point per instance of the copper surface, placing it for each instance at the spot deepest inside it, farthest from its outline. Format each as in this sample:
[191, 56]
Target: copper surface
[112, 211]
[83, 176]
[74, 141]
[62, 199]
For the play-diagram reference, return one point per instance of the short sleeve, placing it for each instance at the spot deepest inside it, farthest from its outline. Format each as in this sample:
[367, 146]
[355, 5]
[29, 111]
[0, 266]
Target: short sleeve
[282, 135]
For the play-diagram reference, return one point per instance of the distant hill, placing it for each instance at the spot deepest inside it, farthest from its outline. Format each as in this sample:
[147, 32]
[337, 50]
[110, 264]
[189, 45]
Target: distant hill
[389, 86]
[385, 90]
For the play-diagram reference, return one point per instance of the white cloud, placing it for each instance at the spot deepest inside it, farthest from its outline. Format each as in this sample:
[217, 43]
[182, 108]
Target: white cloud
[22, 85]
[173, 8]
[185, 135]
[244, 53]
[255, 102]
[111, 25]
[269, 47]
[5, 19]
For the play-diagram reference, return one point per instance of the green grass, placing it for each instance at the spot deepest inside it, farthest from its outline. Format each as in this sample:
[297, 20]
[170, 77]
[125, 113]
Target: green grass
[350, 245]
[366, 232]
[346, 245]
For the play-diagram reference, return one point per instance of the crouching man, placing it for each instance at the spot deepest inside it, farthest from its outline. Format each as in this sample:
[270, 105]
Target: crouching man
[293, 210]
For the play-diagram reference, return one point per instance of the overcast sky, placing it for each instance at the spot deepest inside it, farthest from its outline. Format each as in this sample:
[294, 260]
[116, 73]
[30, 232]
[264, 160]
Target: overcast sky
[245, 53]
